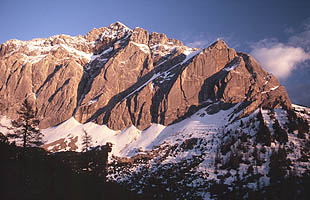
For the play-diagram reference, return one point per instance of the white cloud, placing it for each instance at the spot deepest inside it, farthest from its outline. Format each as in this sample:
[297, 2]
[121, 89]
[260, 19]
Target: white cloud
[280, 59]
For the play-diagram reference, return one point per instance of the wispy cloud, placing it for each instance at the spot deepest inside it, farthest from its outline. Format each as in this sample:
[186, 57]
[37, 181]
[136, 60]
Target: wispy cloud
[281, 59]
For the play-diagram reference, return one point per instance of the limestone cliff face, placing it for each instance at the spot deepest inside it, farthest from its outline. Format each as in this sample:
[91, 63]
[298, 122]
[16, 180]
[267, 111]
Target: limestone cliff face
[46, 72]
[119, 77]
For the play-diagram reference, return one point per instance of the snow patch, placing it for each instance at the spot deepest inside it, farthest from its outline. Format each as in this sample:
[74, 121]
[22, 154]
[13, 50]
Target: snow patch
[143, 47]
[190, 53]
[271, 89]
[231, 68]
[94, 57]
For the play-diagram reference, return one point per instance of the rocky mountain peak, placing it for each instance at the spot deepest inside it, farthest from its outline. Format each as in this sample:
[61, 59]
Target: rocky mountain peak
[122, 77]
[209, 115]
[107, 35]
[219, 44]
[116, 30]
[119, 26]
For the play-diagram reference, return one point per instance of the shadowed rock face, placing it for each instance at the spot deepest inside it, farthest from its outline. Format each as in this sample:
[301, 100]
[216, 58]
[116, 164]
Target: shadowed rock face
[119, 77]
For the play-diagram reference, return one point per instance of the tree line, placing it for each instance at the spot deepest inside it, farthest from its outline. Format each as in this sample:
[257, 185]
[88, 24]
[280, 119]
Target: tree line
[29, 172]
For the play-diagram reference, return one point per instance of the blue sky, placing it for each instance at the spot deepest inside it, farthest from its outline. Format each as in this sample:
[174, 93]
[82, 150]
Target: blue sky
[265, 28]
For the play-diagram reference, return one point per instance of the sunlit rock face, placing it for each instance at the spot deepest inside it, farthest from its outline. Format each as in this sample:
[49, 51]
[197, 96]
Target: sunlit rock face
[122, 77]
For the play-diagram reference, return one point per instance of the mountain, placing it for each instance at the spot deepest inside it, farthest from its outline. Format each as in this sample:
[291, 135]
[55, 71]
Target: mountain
[184, 123]
[122, 77]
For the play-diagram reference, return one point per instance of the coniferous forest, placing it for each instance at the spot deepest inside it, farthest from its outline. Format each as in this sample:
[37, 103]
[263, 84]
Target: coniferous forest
[65, 175]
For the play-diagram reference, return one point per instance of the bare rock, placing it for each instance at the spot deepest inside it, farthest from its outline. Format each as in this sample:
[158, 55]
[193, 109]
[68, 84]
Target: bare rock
[140, 36]
[122, 77]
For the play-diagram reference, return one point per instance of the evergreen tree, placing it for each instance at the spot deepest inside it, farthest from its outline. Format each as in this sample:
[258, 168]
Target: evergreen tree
[27, 127]
[303, 126]
[278, 166]
[87, 141]
[280, 134]
[263, 135]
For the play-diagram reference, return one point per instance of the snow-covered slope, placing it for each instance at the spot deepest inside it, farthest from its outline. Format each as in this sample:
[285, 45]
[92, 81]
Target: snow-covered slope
[72, 132]
[208, 149]
[205, 151]
[130, 141]
[211, 147]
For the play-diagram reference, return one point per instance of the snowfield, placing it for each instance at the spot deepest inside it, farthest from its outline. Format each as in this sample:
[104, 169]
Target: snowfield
[203, 150]
[129, 142]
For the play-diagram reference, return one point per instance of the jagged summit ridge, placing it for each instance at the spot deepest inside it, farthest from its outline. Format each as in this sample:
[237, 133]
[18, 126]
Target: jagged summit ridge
[122, 77]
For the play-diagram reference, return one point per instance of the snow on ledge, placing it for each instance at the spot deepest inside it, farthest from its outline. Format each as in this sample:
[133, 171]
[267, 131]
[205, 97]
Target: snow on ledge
[231, 68]
[143, 47]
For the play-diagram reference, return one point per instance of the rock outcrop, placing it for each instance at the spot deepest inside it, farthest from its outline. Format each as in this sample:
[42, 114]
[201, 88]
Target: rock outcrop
[123, 77]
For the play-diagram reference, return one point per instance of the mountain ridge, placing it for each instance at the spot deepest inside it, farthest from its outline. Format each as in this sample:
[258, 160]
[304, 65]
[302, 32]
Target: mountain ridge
[185, 123]
[103, 73]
